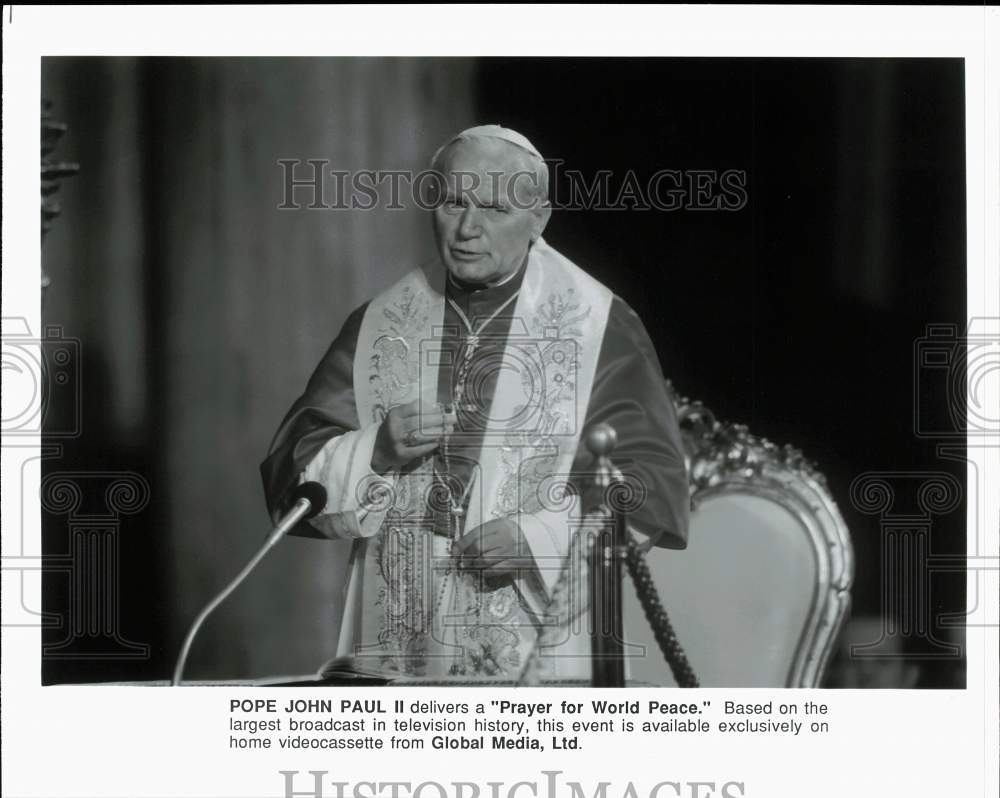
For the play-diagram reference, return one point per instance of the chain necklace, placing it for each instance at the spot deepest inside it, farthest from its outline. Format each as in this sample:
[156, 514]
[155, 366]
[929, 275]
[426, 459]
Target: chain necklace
[472, 342]
[457, 509]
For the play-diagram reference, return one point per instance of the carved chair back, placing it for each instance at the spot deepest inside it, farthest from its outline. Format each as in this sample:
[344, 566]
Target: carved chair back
[759, 595]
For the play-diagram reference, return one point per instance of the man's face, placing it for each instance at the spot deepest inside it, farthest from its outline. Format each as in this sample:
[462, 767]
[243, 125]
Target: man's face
[483, 227]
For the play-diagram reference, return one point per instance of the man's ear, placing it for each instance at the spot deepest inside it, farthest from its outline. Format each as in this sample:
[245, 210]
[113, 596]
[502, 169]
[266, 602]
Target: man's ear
[541, 214]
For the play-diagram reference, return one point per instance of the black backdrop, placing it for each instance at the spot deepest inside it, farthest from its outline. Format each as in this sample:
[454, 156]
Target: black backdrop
[800, 314]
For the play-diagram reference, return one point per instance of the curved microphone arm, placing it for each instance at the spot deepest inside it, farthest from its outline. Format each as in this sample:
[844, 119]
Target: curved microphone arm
[310, 498]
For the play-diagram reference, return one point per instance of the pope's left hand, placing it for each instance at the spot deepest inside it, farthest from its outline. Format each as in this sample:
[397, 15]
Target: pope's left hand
[496, 548]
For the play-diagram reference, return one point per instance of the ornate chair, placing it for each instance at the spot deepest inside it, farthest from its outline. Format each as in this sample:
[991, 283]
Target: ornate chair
[760, 593]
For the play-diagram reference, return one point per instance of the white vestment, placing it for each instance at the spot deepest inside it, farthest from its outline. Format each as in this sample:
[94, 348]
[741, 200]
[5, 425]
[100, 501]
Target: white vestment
[408, 611]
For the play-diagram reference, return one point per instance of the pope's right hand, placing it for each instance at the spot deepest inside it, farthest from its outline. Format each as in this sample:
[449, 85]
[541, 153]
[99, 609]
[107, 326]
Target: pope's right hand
[406, 433]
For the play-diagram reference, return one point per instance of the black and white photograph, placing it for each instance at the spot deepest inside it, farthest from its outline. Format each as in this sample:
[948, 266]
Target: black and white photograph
[388, 373]
[458, 294]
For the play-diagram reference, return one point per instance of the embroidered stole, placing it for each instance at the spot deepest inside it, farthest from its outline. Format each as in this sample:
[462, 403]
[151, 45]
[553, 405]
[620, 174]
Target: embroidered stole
[407, 610]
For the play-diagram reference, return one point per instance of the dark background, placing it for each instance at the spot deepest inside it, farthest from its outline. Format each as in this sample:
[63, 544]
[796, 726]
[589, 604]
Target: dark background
[201, 309]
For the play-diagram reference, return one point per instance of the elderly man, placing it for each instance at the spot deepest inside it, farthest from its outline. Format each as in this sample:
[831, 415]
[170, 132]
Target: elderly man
[445, 421]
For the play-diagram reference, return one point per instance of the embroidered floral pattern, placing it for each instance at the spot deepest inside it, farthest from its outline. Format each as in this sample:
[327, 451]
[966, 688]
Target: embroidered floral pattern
[489, 634]
[528, 456]
[560, 316]
[401, 552]
[393, 367]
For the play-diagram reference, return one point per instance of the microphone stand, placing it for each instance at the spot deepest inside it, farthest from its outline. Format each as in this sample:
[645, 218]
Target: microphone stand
[309, 503]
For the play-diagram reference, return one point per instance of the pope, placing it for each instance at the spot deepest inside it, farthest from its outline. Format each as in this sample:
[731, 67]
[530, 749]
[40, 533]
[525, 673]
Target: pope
[445, 421]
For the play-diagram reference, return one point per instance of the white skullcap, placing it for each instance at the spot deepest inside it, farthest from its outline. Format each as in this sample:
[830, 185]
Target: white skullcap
[491, 132]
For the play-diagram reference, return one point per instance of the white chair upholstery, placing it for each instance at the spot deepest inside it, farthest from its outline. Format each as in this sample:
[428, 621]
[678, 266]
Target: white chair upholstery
[760, 593]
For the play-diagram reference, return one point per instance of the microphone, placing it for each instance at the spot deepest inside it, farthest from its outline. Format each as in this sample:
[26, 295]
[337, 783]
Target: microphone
[309, 499]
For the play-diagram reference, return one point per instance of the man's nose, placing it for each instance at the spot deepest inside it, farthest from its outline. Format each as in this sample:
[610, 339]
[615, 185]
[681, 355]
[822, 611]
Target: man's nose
[469, 226]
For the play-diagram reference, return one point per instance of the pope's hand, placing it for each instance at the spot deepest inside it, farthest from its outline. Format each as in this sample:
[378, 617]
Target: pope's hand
[406, 433]
[496, 548]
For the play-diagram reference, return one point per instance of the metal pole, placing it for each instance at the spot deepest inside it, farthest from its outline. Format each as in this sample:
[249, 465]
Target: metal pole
[606, 555]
